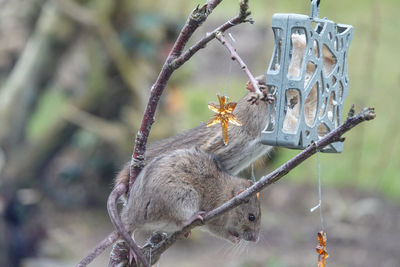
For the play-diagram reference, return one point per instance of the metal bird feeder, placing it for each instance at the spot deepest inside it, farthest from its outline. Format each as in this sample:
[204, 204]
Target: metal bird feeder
[308, 75]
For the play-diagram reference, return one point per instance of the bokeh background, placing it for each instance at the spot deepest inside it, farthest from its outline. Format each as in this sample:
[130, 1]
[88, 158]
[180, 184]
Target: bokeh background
[74, 80]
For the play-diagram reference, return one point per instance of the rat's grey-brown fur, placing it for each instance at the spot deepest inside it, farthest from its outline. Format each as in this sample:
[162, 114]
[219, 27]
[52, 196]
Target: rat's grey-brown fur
[174, 187]
[244, 145]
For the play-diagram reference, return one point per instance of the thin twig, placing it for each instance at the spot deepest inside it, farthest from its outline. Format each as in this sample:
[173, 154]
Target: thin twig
[242, 17]
[235, 56]
[117, 192]
[196, 18]
[103, 245]
[119, 255]
[334, 136]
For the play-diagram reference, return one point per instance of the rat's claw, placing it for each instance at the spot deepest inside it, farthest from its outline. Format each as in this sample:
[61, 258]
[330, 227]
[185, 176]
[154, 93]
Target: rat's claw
[198, 216]
[268, 97]
[254, 99]
[187, 234]
[155, 238]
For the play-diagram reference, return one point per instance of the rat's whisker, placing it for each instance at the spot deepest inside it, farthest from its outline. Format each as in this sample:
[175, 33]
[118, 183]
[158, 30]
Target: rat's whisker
[263, 240]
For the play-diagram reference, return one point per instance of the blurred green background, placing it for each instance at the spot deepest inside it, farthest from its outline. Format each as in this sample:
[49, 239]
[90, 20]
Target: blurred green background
[74, 80]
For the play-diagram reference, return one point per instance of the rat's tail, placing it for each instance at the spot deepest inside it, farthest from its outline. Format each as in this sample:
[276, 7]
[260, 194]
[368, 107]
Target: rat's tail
[123, 175]
[118, 224]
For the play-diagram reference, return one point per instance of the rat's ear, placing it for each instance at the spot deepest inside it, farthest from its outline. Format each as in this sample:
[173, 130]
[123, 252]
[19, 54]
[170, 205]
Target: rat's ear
[240, 191]
[244, 185]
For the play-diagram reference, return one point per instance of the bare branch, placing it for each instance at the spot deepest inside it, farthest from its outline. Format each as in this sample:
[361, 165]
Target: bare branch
[195, 19]
[241, 18]
[119, 255]
[243, 66]
[334, 136]
[117, 192]
[103, 245]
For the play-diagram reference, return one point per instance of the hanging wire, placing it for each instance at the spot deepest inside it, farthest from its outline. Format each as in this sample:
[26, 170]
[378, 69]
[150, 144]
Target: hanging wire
[230, 69]
[253, 177]
[319, 206]
[318, 2]
[320, 191]
[314, 9]
[229, 78]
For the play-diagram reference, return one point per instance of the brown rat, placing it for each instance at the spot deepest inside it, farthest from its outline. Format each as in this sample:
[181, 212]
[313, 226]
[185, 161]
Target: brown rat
[243, 148]
[177, 187]
[167, 195]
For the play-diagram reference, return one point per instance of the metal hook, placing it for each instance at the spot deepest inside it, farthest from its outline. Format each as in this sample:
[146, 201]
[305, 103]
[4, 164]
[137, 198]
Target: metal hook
[318, 1]
[314, 11]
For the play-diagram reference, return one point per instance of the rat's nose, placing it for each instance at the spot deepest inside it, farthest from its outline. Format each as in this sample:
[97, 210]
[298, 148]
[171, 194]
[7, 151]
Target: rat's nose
[249, 235]
[254, 238]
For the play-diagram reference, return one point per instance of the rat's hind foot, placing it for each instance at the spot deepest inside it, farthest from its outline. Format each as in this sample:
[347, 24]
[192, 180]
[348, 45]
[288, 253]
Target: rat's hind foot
[198, 216]
[155, 238]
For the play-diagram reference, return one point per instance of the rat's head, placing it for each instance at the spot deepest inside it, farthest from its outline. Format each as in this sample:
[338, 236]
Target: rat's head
[243, 222]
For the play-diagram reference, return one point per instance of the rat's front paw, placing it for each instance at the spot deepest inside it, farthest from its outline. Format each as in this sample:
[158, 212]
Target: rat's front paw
[265, 97]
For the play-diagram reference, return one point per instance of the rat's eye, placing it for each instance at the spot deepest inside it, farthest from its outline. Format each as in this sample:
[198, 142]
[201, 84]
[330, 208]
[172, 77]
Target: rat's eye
[252, 218]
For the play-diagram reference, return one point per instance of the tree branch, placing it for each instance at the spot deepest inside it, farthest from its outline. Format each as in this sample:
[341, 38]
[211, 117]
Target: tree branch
[119, 255]
[108, 241]
[334, 136]
[195, 19]
[235, 56]
[174, 60]
[241, 18]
